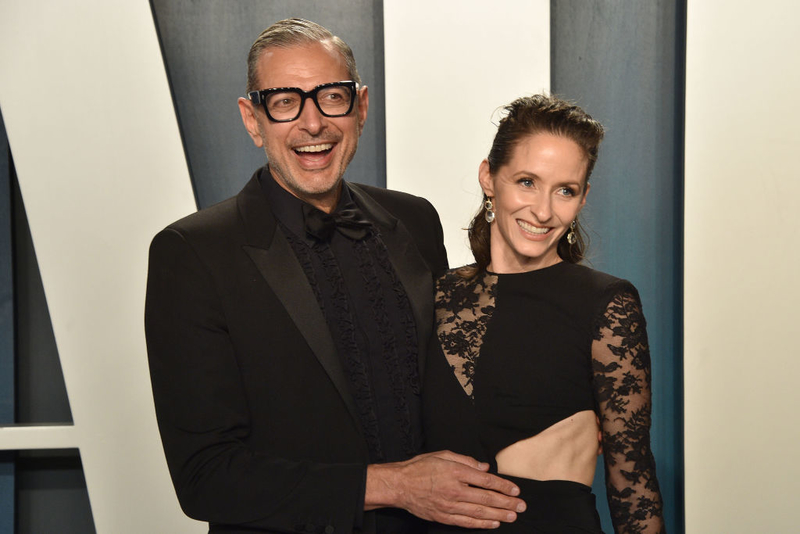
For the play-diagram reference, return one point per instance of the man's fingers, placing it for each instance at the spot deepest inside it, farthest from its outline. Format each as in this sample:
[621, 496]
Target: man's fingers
[481, 512]
[490, 482]
[483, 488]
[461, 459]
[467, 522]
[499, 506]
[454, 489]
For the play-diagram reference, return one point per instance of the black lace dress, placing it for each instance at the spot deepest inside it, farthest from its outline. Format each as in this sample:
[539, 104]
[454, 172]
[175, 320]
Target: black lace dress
[524, 351]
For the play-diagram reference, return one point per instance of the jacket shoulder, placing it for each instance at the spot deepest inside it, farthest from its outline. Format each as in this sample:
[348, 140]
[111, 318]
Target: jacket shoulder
[222, 214]
[393, 200]
[420, 219]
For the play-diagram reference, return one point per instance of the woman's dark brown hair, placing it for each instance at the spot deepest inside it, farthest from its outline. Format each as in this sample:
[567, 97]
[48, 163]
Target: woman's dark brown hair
[523, 118]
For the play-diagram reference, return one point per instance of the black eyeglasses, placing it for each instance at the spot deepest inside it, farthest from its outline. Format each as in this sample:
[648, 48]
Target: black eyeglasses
[285, 104]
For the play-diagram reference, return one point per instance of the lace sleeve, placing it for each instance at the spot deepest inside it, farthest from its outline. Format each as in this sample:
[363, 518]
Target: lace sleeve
[621, 367]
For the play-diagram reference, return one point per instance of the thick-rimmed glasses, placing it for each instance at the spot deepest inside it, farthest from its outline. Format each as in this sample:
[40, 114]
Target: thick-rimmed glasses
[285, 104]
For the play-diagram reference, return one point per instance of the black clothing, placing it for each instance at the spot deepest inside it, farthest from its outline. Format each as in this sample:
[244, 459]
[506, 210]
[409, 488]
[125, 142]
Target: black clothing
[525, 351]
[370, 320]
[347, 218]
[257, 417]
[369, 316]
[554, 507]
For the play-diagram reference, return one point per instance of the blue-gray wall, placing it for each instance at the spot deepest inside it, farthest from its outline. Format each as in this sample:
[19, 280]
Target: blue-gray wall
[623, 61]
[205, 44]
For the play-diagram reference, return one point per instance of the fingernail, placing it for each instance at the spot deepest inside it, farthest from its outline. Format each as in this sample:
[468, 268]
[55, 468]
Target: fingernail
[511, 517]
[521, 507]
[515, 491]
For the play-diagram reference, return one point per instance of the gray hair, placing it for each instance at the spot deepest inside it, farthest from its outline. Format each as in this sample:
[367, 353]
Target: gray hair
[294, 32]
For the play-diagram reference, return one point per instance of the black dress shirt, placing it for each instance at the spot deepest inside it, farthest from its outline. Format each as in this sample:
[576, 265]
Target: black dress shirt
[373, 329]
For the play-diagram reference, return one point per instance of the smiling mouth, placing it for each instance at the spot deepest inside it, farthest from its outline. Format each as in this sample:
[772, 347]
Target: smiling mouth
[531, 229]
[315, 149]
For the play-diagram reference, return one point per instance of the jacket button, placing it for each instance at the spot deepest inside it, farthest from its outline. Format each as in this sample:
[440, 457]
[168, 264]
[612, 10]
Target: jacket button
[329, 529]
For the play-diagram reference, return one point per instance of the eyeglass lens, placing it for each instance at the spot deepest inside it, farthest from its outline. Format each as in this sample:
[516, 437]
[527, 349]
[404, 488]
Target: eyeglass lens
[332, 101]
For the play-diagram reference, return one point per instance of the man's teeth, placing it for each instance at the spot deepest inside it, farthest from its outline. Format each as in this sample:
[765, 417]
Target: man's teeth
[314, 148]
[532, 229]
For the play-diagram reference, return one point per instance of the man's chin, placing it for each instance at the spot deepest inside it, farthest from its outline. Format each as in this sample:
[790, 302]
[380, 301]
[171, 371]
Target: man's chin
[315, 190]
[307, 182]
[319, 187]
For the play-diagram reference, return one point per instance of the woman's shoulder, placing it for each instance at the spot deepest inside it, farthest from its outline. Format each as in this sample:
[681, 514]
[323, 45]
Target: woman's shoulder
[591, 292]
[452, 276]
[610, 298]
[459, 277]
[596, 282]
[464, 284]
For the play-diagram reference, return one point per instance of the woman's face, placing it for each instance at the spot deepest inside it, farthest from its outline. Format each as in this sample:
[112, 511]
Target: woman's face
[536, 196]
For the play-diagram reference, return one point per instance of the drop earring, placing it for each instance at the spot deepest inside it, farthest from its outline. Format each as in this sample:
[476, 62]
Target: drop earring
[572, 237]
[489, 207]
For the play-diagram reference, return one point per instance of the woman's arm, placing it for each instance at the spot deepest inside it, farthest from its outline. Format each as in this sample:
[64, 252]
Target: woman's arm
[621, 367]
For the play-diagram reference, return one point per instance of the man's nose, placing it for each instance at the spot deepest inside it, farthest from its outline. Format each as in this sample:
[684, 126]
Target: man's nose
[310, 118]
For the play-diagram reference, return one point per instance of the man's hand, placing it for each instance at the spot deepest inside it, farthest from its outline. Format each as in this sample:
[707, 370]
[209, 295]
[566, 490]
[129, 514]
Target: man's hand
[444, 487]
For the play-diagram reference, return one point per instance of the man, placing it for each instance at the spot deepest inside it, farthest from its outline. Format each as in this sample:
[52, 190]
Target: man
[286, 327]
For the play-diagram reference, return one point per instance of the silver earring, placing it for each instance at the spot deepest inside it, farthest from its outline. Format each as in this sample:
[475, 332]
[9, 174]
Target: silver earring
[489, 207]
[572, 237]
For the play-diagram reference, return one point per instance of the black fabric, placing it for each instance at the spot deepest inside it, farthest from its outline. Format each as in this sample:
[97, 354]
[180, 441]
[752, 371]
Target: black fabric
[257, 419]
[367, 312]
[524, 351]
[554, 507]
[347, 218]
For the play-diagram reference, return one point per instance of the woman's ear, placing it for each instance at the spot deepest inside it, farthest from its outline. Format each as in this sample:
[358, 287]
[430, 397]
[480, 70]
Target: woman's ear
[485, 179]
[585, 194]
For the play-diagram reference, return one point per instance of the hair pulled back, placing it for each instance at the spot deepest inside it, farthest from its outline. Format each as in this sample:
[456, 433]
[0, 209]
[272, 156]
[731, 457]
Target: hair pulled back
[296, 32]
[523, 118]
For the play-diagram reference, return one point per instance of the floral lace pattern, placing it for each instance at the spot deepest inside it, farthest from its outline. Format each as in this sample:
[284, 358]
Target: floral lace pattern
[621, 367]
[620, 360]
[463, 310]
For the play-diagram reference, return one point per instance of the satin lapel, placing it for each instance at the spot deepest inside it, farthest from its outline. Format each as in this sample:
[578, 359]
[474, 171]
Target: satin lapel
[408, 263]
[277, 263]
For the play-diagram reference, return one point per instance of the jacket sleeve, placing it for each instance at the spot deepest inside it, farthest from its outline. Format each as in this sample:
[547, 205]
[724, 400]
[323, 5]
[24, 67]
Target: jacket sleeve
[204, 418]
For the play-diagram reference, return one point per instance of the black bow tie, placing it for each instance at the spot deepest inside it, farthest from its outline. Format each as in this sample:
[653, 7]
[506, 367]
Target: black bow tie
[349, 221]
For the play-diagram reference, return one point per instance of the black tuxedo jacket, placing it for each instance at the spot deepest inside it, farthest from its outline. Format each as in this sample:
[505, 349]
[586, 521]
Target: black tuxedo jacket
[257, 422]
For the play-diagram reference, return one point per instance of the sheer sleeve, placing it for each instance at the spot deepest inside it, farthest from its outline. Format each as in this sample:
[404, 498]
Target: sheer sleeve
[621, 368]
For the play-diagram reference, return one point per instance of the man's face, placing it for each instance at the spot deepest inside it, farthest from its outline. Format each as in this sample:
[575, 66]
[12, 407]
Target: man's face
[307, 156]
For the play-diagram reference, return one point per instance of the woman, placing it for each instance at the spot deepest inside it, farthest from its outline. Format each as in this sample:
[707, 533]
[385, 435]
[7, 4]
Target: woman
[542, 354]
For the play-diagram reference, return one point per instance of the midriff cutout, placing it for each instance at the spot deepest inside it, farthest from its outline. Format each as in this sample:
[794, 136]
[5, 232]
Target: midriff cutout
[566, 450]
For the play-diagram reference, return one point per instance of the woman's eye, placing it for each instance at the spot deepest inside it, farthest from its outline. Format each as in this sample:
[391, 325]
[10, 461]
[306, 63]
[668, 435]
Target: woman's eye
[526, 182]
[567, 192]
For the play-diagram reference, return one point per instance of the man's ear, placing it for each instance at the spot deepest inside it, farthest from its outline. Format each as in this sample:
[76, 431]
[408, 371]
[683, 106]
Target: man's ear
[485, 179]
[250, 121]
[363, 107]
